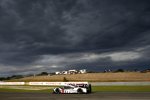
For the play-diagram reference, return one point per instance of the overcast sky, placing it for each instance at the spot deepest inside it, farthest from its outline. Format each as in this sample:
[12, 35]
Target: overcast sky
[53, 35]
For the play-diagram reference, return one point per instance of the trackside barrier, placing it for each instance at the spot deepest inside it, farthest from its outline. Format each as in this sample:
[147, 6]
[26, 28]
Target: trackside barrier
[77, 83]
[12, 83]
[56, 83]
[43, 83]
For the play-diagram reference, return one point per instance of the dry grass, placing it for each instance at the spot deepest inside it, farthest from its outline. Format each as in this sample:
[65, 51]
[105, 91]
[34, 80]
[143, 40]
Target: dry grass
[93, 77]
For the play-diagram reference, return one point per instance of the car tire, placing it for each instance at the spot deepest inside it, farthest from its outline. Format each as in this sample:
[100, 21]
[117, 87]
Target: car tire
[89, 88]
[57, 91]
[79, 91]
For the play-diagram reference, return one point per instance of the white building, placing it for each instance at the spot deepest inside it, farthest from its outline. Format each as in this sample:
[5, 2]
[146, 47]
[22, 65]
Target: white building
[82, 71]
[64, 72]
[57, 73]
[72, 71]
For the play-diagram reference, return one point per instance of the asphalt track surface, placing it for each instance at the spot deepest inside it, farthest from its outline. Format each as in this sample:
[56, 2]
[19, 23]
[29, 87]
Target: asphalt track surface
[92, 96]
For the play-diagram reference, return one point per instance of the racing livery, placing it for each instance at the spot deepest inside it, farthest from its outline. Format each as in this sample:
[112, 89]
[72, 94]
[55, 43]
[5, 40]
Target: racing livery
[71, 88]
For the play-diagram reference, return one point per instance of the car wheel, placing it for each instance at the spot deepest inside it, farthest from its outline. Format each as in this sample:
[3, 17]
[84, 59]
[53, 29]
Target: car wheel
[89, 88]
[79, 91]
[57, 91]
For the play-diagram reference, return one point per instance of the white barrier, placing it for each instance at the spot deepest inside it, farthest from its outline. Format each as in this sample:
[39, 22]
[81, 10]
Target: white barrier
[56, 83]
[12, 83]
[42, 83]
[75, 83]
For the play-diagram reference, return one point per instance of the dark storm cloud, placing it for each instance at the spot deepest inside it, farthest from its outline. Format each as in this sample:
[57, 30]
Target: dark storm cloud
[110, 27]
[52, 34]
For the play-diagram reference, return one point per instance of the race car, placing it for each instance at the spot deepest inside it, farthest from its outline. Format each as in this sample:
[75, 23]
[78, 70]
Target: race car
[79, 89]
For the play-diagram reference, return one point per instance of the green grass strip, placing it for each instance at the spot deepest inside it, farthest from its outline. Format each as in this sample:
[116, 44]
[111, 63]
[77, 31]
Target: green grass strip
[94, 89]
[121, 88]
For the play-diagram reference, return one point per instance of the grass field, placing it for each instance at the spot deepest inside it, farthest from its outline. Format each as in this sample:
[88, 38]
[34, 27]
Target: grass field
[92, 77]
[47, 89]
[121, 89]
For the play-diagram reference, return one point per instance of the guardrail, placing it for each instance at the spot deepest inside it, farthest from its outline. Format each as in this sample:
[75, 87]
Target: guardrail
[65, 83]
[12, 83]
[42, 83]
[55, 83]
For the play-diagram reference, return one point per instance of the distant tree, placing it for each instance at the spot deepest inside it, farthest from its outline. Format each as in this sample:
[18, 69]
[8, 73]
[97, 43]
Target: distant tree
[52, 73]
[120, 70]
[135, 70]
[15, 77]
[145, 71]
[43, 73]
[91, 72]
[11, 77]
[8, 78]
[2, 78]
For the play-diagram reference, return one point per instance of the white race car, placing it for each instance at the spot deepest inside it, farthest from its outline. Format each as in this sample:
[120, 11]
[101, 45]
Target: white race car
[80, 89]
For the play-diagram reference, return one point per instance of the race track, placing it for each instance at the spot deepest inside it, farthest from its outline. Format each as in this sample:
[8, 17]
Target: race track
[93, 96]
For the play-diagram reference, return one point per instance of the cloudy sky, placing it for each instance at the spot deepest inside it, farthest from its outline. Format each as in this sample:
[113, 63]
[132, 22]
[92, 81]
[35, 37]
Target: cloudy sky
[53, 35]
